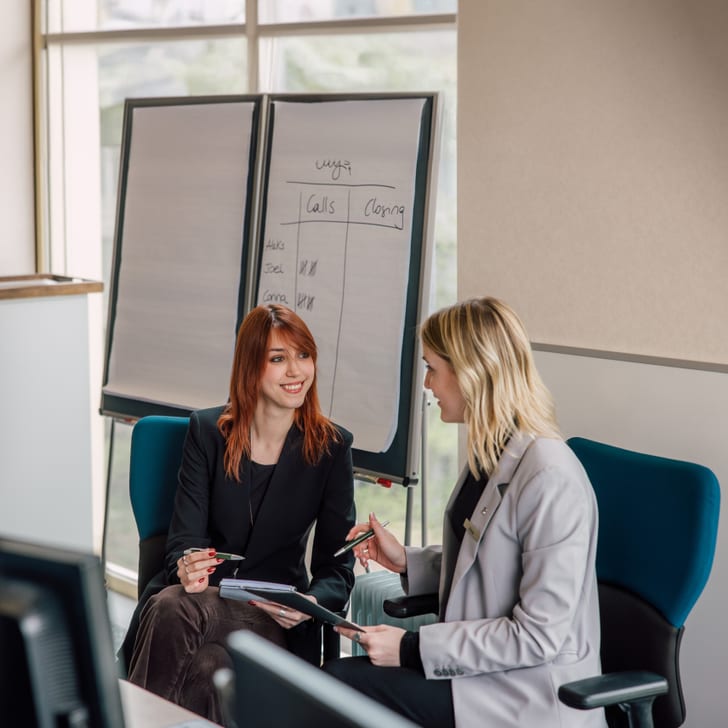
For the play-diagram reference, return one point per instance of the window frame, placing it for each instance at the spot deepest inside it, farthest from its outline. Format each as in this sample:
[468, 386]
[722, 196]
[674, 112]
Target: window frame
[56, 147]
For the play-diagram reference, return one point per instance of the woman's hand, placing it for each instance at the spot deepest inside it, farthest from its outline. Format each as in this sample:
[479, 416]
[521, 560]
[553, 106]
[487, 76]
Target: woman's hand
[193, 570]
[284, 616]
[383, 547]
[381, 643]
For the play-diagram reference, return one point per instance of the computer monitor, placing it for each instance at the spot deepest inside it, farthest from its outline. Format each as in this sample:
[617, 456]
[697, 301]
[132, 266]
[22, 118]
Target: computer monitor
[274, 688]
[57, 665]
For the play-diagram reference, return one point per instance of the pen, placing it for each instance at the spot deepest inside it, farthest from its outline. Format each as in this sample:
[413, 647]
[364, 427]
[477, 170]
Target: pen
[356, 541]
[218, 555]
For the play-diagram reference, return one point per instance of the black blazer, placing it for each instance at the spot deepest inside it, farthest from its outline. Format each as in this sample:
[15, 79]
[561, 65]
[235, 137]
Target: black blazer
[213, 510]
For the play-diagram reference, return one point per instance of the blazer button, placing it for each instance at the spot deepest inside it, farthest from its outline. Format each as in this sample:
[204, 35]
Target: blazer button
[452, 672]
[438, 672]
[460, 671]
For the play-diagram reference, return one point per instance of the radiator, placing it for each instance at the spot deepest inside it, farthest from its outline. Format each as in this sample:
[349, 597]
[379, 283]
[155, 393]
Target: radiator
[370, 591]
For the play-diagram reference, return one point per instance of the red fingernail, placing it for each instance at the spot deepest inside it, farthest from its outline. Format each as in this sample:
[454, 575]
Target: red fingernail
[219, 561]
[210, 570]
[252, 603]
[212, 553]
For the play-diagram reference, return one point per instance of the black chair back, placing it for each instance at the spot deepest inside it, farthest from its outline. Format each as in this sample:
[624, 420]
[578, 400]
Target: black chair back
[635, 636]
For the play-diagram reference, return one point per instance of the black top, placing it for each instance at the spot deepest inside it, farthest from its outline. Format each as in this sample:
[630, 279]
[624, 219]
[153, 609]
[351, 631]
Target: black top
[465, 503]
[260, 477]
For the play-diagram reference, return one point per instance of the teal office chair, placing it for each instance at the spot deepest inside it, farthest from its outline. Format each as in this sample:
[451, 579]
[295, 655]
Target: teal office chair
[156, 454]
[155, 458]
[658, 524]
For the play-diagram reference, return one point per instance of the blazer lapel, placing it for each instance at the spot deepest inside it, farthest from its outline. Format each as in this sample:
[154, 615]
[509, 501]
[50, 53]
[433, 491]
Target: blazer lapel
[486, 507]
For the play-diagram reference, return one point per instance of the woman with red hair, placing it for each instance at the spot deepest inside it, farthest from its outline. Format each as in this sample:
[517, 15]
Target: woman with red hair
[256, 474]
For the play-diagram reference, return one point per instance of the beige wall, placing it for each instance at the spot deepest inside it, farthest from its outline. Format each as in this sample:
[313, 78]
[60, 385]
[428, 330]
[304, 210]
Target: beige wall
[594, 170]
[17, 244]
[593, 196]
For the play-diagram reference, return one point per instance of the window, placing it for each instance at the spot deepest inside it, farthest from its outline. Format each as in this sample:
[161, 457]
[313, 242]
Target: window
[99, 52]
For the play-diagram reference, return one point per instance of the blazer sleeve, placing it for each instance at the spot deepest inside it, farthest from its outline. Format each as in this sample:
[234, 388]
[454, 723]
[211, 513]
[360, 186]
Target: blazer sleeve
[555, 523]
[332, 579]
[423, 570]
[190, 515]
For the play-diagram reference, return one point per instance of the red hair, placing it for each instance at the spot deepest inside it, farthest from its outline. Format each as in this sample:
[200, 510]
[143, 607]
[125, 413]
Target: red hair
[251, 355]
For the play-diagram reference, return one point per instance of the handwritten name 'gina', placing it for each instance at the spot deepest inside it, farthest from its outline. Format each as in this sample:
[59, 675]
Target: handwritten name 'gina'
[275, 297]
[335, 165]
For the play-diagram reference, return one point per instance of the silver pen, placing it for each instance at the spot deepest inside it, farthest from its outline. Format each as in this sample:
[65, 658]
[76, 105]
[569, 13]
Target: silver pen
[219, 555]
[349, 545]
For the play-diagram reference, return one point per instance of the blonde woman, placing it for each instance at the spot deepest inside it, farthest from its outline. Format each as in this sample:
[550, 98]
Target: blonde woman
[515, 573]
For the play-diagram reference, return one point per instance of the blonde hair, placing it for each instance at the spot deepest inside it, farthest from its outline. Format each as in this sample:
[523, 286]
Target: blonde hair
[488, 349]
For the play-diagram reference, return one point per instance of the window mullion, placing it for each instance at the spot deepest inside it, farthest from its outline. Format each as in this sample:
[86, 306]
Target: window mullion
[252, 35]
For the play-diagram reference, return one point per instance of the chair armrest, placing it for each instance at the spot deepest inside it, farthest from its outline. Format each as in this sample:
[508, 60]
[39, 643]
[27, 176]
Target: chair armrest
[403, 607]
[612, 689]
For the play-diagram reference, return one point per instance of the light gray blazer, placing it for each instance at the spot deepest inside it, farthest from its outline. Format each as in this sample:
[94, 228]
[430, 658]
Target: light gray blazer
[519, 611]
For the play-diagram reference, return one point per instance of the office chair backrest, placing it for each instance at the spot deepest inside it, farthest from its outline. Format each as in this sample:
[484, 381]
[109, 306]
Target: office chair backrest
[155, 457]
[658, 524]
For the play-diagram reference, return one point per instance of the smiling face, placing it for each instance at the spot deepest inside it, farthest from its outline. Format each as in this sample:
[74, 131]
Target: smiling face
[440, 380]
[287, 375]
